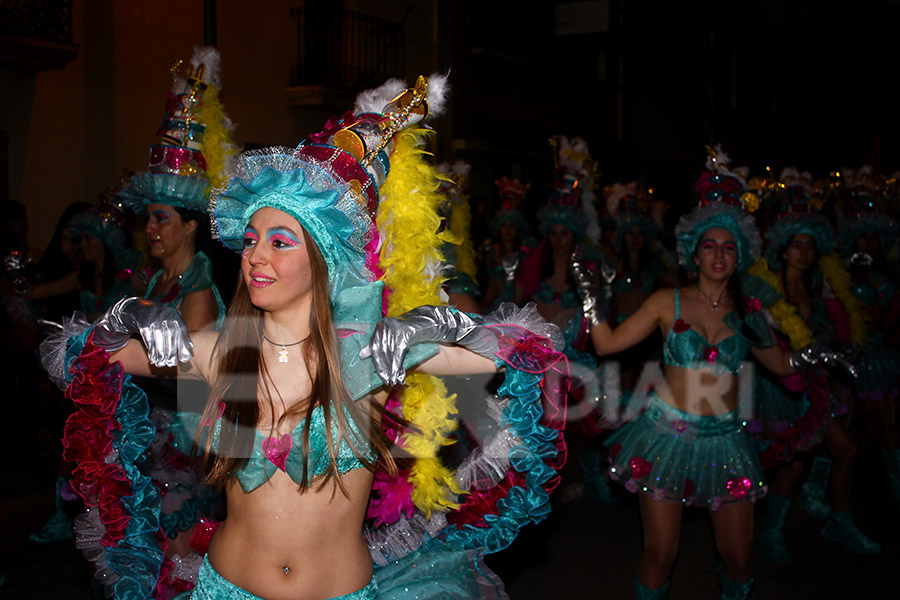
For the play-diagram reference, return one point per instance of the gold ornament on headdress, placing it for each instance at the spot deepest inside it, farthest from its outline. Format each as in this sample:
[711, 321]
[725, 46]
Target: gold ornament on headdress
[750, 202]
[189, 101]
[397, 112]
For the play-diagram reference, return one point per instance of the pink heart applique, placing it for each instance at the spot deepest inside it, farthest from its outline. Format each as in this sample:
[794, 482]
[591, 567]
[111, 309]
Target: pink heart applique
[711, 353]
[343, 333]
[640, 467]
[277, 449]
[680, 326]
[738, 487]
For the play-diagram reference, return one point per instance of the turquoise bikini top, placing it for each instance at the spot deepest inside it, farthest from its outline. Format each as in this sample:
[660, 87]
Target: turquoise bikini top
[271, 454]
[626, 283]
[686, 348]
[871, 296]
[568, 298]
[356, 311]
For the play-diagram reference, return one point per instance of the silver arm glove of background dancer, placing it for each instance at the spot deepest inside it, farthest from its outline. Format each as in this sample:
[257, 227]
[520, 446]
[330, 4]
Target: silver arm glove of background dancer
[160, 327]
[827, 354]
[510, 265]
[593, 304]
[394, 336]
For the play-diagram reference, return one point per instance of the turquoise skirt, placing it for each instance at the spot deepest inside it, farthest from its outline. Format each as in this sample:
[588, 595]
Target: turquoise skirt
[212, 586]
[436, 571]
[694, 459]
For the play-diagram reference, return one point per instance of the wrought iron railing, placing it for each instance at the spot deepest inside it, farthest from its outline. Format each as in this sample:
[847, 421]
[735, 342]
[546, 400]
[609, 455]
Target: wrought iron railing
[47, 20]
[343, 49]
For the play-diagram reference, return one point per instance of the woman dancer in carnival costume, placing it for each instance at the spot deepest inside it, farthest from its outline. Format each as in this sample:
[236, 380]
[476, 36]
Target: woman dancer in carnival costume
[688, 447]
[641, 269]
[194, 153]
[570, 228]
[290, 430]
[109, 268]
[869, 244]
[802, 413]
[456, 224]
[502, 255]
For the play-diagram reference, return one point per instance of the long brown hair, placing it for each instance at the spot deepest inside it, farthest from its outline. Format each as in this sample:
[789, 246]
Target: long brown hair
[240, 368]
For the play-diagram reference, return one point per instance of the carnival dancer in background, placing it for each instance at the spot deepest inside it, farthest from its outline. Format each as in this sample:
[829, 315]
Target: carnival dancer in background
[641, 269]
[570, 227]
[502, 254]
[802, 413]
[194, 152]
[61, 258]
[869, 244]
[296, 421]
[109, 268]
[689, 447]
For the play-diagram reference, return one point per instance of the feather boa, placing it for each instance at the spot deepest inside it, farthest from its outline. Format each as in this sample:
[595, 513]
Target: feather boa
[838, 279]
[404, 259]
[786, 317]
[782, 445]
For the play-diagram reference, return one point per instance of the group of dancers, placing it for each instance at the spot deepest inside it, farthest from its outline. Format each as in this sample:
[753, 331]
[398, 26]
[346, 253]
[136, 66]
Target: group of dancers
[281, 435]
[755, 345]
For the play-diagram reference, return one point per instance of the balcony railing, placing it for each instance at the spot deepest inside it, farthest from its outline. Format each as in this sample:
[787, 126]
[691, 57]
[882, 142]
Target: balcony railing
[345, 51]
[36, 34]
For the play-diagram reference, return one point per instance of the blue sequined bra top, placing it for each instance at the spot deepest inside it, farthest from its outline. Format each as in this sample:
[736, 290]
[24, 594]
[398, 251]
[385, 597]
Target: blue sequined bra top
[686, 348]
[285, 453]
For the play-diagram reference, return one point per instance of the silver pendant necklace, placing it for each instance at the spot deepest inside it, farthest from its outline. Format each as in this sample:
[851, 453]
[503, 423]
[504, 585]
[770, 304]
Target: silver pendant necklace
[714, 303]
[283, 353]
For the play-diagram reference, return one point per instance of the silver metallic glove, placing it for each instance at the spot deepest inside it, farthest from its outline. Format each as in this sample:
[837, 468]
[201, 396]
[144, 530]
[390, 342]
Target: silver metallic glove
[826, 354]
[510, 265]
[160, 327]
[394, 336]
[592, 304]
[861, 259]
[17, 263]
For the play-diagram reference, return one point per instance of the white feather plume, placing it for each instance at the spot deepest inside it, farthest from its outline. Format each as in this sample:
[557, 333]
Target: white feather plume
[374, 100]
[438, 90]
[209, 56]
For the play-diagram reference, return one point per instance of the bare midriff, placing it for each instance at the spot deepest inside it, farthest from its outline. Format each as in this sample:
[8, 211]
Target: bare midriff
[280, 543]
[699, 391]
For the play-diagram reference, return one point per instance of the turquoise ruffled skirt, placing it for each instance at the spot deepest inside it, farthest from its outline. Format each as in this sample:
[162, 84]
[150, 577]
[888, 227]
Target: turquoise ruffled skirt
[694, 459]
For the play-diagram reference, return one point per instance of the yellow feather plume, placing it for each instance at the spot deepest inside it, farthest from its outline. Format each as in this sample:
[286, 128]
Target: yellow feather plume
[408, 221]
[218, 143]
[789, 321]
[838, 278]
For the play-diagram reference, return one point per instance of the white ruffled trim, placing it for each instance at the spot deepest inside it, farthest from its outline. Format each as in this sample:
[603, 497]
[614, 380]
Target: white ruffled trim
[53, 349]
[394, 541]
[88, 531]
[526, 317]
[187, 567]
